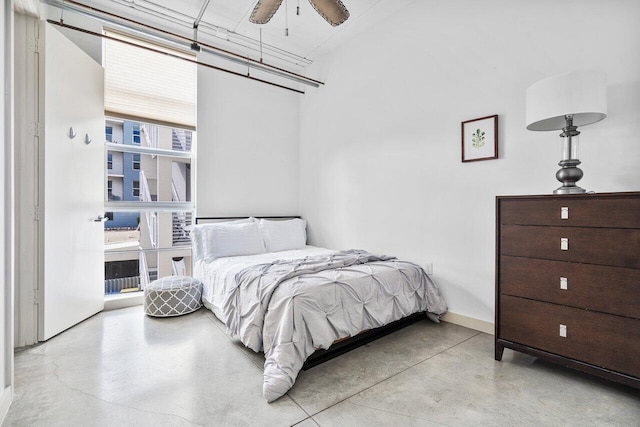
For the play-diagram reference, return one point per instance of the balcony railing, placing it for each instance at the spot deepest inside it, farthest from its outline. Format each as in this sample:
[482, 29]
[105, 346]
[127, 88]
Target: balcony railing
[152, 217]
[150, 133]
[181, 140]
[144, 271]
[113, 286]
[181, 220]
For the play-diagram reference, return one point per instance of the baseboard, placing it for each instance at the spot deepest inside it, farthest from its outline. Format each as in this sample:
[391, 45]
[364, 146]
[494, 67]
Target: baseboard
[5, 402]
[469, 322]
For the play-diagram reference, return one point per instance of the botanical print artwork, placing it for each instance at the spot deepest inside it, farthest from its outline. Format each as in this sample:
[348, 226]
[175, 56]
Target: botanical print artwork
[478, 139]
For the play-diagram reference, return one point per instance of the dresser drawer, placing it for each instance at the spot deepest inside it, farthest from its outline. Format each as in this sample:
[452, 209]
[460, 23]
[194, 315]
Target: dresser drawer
[602, 288]
[580, 211]
[604, 340]
[606, 246]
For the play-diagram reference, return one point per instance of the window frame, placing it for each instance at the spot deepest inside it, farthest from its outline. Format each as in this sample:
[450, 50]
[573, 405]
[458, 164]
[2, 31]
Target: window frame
[134, 188]
[135, 162]
[136, 134]
[146, 107]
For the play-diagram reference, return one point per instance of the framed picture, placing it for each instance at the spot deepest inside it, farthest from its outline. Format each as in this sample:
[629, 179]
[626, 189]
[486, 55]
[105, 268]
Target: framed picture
[480, 139]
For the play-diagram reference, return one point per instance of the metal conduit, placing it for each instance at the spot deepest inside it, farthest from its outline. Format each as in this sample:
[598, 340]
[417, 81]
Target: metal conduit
[203, 26]
[199, 18]
[182, 58]
[165, 35]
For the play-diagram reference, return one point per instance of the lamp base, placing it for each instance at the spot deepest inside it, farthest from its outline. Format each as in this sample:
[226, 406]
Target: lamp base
[569, 190]
[568, 176]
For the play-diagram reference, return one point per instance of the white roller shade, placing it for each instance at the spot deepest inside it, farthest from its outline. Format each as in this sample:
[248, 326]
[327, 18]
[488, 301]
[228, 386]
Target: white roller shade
[148, 86]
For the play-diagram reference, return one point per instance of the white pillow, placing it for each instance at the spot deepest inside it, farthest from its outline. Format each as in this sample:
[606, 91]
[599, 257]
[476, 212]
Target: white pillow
[283, 235]
[198, 234]
[223, 240]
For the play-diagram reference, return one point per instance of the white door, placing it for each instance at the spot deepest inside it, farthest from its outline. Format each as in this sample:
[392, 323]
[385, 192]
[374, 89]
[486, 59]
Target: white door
[71, 184]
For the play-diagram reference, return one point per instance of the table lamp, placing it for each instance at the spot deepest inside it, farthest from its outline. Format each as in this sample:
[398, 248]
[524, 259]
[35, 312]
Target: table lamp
[565, 102]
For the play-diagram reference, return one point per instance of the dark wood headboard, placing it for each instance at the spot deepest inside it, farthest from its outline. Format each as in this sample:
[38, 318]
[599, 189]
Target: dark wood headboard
[214, 219]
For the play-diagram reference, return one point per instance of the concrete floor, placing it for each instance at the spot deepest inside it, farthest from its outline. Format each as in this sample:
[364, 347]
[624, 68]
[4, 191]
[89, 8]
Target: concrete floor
[121, 368]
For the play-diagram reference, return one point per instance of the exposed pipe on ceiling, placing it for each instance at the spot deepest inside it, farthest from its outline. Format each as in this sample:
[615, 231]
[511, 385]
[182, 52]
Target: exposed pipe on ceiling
[242, 41]
[199, 18]
[195, 45]
[182, 58]
[178, 39]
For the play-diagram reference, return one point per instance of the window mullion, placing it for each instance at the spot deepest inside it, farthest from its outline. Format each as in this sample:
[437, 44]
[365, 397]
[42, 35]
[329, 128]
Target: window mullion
[148, 150]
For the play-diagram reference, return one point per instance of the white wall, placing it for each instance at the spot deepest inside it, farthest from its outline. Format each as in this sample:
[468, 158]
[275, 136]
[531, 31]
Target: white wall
[380, 161]
[6, 289]
[247, 147]
[91, 45]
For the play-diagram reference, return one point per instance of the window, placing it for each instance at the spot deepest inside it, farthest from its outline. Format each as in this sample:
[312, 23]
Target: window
[153, 117]
[152, 209]
[109, 161]
[108, 130]
[136, 135]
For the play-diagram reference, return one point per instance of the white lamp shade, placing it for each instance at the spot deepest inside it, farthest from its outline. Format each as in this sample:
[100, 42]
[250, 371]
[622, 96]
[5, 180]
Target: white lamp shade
[583, 94]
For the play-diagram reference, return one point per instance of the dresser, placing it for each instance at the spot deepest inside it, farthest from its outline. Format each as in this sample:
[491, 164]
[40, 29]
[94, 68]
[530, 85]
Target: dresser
[568, 281]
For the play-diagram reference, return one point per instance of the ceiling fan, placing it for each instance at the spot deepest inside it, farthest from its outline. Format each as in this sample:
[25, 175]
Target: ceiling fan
[333, 11]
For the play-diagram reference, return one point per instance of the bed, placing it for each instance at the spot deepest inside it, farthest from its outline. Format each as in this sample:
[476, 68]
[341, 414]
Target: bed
[292, 301]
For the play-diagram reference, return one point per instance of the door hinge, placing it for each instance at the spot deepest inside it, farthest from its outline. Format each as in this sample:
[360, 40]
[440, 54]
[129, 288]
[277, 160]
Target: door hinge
[35, 297]
[36, 213]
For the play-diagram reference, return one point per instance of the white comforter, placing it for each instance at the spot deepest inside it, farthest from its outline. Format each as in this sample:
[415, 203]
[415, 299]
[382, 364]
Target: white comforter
[310, 311]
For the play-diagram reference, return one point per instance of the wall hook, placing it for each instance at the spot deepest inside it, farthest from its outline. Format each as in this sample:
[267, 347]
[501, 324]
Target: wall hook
[87, 140]
[72, 133]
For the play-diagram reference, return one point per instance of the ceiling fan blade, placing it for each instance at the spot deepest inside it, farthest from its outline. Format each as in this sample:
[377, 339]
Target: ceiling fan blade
[333, 11]
[264, 10]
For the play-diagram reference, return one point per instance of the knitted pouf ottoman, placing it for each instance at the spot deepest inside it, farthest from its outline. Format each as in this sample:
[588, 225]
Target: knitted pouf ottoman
[172, 296]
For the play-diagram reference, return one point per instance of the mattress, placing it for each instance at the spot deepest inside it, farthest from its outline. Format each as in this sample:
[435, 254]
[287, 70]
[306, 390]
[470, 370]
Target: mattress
[291, 303]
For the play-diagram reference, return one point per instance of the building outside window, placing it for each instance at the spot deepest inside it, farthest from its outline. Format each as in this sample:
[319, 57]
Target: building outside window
[108, 130]
[156, 241]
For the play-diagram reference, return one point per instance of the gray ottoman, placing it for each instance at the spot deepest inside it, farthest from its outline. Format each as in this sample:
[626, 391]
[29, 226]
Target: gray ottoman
[172, 296]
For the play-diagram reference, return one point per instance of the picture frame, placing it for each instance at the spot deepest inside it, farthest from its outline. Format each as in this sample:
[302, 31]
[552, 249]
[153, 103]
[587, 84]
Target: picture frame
[480, 139]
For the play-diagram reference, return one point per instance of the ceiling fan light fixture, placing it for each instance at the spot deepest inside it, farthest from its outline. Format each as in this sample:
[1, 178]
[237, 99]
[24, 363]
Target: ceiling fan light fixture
[264, 11]
[333, 11]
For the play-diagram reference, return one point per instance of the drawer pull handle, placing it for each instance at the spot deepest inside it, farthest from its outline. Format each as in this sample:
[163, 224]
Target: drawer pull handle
[563, 331]
[564, 283]
[564, 244]
[564, 212]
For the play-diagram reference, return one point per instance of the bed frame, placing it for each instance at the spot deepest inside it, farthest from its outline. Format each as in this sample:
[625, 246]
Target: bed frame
[344, 345]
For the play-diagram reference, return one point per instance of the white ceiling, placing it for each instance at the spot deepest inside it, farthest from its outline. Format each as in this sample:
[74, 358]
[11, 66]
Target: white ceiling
[310, 36]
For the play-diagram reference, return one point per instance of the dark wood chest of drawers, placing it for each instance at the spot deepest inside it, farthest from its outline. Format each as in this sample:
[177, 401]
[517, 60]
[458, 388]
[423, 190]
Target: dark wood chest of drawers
[568, 281]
